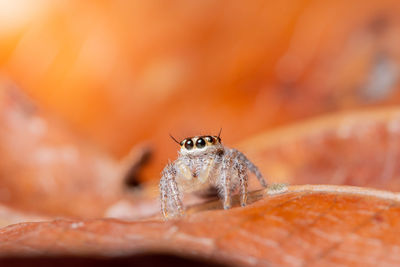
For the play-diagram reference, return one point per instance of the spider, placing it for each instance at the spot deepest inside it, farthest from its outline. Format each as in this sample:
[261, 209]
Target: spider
[204, 163]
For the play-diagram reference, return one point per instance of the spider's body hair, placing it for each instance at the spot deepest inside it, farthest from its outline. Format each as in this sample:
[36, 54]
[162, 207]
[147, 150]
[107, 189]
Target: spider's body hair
[207, 165]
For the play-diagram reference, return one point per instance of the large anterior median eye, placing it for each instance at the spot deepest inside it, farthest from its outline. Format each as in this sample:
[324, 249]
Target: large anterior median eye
[189, 144]
[200, 143]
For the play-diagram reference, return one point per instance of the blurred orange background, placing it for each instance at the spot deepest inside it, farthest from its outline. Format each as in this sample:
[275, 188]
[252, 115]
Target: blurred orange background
[308, 90]
[121, 73]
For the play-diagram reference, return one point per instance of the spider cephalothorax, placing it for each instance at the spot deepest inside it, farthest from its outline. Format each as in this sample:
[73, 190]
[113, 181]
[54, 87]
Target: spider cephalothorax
[204, 163]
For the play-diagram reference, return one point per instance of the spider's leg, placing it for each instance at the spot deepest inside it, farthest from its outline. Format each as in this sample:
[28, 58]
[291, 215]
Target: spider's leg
[243, 181]
[253, 168]
[225, 181]
[163, 196]
[169, 192]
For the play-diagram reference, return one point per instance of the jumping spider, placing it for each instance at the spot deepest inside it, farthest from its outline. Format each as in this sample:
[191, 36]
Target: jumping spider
[204, 163]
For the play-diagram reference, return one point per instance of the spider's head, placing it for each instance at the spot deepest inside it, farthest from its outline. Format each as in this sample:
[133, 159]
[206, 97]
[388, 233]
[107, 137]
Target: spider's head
[196, 144]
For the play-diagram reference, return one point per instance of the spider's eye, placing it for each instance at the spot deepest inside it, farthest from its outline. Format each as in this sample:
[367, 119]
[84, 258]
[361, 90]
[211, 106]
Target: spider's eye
[189, 144]
[209, 139]
[200, 143]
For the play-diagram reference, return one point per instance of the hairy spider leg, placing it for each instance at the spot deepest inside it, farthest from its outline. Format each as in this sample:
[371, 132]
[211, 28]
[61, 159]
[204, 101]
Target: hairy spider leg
[225, 186]
[253, 168]
[243, 181]
[169, 191]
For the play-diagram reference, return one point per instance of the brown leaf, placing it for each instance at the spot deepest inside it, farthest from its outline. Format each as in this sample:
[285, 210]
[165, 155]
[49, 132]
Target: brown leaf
[289, 226]
[47, 169]
[352, 148]
[10, 216]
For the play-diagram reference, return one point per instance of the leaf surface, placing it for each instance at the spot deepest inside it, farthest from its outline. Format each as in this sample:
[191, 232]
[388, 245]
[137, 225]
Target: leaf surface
[293, 226]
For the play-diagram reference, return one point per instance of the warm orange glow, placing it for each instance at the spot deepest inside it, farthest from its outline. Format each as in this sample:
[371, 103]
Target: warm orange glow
[17, 14]
[130, 71]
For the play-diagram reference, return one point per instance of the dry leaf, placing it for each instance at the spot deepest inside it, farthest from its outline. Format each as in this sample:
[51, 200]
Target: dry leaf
[350, 148]
[47, 169]
[294, 226]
